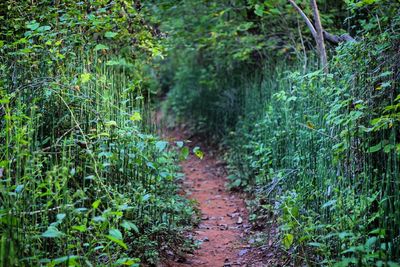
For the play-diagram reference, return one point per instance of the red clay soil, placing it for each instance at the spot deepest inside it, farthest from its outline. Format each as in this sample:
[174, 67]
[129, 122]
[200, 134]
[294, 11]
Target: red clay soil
[223, 214]
[224, 225]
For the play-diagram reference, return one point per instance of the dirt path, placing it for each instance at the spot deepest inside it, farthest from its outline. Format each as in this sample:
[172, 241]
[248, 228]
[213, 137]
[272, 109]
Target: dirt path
[224, 217]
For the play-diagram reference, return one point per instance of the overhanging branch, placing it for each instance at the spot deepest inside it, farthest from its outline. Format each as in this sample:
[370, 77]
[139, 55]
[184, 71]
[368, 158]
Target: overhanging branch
[335, 39]
[307, 20]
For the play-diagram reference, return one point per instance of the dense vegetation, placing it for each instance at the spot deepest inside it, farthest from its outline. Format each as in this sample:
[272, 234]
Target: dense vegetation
[316, 148]
[85, 181]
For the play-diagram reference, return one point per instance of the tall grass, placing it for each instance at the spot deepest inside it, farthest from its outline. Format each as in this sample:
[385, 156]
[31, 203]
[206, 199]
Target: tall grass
[318, 151]
[83, 180]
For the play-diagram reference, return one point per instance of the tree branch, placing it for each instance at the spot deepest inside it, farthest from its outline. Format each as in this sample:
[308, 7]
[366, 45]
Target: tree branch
[307, 20]
[336, 39]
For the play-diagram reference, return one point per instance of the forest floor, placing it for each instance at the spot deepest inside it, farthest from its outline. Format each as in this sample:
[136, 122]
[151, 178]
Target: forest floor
[224, 233]
[224, 220]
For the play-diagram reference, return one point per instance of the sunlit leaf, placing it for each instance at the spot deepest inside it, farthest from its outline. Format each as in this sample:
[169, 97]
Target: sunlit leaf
[110, 34]
[85, 77]
[96, 204]
[136, 116]
[184, 153]
[100, 47]
[288, 240]
[198, 152]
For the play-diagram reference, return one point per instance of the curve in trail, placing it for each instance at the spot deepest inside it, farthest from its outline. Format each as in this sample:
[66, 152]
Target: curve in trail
[224, 217]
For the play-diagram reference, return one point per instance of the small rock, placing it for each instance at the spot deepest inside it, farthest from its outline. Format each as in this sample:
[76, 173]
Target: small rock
[227, 263]
[223, 227]
[233, 215]
[170, 253]
[240, 220]
[204, 218]
[219, 163]
[243, 252]
[205, 239]
[203, 226]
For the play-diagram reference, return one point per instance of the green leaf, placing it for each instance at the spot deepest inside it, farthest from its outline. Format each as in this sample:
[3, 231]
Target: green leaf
[236, 183]
[111, 124]
[184, 153]
[115, 233]
[60, 216]
[128, 261]
[110, 34]
[33, 25]
[198, 152]
[371, 241]
[379, 231]
[315, 244]
[288, 240]
[44, 28]
[80, 228]
[343, 235]
[275, 11]
[52, 232]
[100, 47]
[117, 241]
[329, 203]
[375, 148]
[85, 77]
[259, 10]
[127, 225]
[96, 204]
[146, 197]
[345, 262]
[136, 116]
[99, 219]
[161, 145]
[71, 259]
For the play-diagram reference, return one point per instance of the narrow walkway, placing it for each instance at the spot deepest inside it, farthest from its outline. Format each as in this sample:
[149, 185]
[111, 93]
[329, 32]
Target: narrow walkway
[224, 217]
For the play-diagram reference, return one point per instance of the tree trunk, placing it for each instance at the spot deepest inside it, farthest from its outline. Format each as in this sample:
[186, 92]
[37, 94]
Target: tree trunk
[319, 36]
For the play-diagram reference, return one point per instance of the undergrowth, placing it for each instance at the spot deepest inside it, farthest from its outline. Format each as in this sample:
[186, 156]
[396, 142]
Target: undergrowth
[317, 152]
[83, 181]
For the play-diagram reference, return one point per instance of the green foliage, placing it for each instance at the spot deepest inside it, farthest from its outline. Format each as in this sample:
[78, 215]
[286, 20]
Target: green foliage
[83, 181]
[318, 153]
[322, 153]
